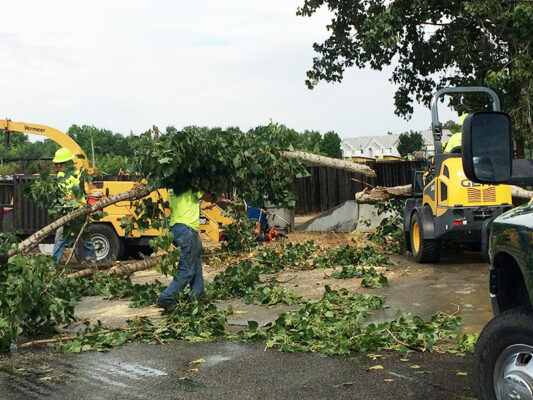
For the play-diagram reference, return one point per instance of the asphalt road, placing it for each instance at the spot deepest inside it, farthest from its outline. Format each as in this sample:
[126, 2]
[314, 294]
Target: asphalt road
[231, 371]
[235, 370]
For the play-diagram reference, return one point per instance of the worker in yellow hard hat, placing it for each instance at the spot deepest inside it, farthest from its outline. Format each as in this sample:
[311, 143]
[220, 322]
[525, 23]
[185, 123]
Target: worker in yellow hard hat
[63, 159]
[455, 139]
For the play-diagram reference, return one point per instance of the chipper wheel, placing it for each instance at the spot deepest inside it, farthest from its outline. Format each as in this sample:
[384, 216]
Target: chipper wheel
[424, 250]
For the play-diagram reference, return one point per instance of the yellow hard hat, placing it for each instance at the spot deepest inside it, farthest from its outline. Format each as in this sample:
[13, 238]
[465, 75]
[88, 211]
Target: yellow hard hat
[63, 155]
[462, 118]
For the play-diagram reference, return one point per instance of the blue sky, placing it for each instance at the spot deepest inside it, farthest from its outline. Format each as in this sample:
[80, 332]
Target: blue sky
[127, 65]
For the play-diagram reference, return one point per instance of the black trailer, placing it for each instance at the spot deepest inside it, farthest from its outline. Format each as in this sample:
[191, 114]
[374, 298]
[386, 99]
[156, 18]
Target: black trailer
[18, 214]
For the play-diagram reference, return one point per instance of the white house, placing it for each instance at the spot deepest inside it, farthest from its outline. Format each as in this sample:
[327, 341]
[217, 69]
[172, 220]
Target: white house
[382, 146]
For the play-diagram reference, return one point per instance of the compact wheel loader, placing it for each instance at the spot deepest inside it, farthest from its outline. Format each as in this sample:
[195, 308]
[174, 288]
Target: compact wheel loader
[446, 206]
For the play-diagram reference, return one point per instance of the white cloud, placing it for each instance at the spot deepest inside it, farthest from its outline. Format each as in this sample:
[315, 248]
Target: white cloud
[125, 65]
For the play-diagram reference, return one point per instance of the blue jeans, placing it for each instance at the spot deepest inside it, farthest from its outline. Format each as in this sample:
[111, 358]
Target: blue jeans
[60, 245]
[189, 267]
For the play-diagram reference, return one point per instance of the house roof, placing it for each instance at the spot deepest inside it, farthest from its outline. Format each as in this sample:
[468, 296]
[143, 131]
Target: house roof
[358, 142]
[387, 141]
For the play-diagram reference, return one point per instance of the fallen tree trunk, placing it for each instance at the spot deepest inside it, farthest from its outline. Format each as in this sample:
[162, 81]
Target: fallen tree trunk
[120, 269]
[520, 193]
[381, 194]
[331, 162]
[26, 245]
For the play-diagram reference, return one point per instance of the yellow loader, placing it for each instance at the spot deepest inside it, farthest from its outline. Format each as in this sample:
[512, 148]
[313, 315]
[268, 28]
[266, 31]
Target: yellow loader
[446, 206]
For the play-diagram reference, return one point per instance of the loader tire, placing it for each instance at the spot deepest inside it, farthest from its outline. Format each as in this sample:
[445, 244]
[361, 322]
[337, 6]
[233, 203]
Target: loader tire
[424, 250]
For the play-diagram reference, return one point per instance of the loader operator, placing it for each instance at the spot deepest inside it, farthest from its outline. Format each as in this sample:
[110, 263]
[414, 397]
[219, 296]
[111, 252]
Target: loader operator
[62, 158]
[455, 139]
[185, 224]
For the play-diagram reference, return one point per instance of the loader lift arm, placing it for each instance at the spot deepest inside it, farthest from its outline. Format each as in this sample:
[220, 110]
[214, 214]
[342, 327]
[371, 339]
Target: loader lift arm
[81, 160]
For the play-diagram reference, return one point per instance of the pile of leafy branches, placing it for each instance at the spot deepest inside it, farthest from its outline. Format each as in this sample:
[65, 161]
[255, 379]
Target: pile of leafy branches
[243, 281]
[35, 297]
[236, 281]
[356, 263]
[190, 320]
[291, 255]
[100, 284]
[239, 236]
[219, 161]
[366, 256]
[371, 278]
[335, 325]
[271, 294]
[389, 234]
[309, 255]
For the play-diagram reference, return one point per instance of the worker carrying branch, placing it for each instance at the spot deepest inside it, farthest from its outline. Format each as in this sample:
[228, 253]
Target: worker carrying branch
[185, 224]
[63, 161]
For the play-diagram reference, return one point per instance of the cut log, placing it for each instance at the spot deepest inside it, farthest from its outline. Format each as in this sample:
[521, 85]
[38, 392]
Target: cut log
[381, 194]
[331, 162]
[520, 193]
[26, 245]
[120, 269]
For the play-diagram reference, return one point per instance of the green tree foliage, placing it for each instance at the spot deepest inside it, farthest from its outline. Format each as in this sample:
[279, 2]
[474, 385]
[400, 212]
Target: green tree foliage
[308, 141]
[105, 141]
[409, 142]
[218, 161]
[21, 147]
[109, 164]
[434, 44]
[452, 126]
[331, 145]
[113, 150]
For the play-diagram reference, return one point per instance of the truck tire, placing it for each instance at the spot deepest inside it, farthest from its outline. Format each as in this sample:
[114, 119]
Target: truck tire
[424, 250]
[107, 244]
[503, 365]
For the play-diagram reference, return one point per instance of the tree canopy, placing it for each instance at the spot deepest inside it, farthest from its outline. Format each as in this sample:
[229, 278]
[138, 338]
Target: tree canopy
[434, 44]
[331, 145]
[114, 150]
[218, 161]
[410, 142]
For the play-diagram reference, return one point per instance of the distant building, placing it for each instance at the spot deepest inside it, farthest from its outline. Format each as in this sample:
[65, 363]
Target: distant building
[383, 147]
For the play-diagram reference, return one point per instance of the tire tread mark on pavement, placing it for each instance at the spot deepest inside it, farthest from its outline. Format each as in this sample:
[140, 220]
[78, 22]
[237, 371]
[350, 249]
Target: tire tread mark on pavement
[26, 385]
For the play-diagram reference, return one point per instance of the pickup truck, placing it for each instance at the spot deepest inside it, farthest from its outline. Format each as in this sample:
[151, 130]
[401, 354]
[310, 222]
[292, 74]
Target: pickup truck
[504, 351]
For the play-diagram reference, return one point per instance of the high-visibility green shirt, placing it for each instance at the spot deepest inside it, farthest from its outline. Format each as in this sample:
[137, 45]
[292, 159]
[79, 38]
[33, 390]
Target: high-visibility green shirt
[455, 141]
[70, 182]
[185, 208]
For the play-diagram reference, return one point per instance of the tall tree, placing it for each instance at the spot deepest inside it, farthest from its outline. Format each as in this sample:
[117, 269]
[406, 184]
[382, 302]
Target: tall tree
[452, 126]
[105, 141]
[433, 44]
[331, 145]
[310, 141]
[409, 142]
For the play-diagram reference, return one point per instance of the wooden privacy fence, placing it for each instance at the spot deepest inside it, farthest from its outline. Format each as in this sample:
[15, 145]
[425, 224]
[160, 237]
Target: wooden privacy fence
[328, 187]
